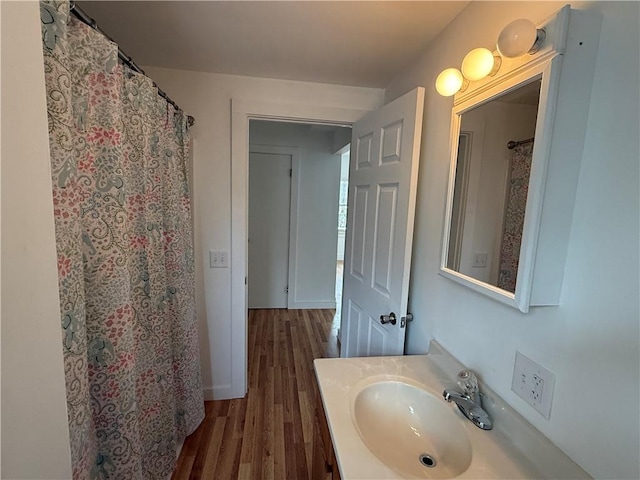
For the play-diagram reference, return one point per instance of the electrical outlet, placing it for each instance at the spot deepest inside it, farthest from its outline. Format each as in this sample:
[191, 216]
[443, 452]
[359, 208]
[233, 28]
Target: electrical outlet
[218, 259]
[537, 388]
[533, 383]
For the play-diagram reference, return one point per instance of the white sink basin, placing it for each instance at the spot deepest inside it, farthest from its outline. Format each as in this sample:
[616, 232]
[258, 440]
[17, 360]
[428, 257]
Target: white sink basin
[385, 412]
[411, 430]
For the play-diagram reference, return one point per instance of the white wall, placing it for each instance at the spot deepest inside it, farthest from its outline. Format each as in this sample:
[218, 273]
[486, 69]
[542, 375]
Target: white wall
[341, 139]
[316, 212]
[590, 341]
[35, 433]
[207, 97]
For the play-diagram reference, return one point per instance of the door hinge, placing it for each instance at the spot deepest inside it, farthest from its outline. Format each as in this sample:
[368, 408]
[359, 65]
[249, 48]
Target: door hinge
[286, 289]
[291, 172]
[245, 280]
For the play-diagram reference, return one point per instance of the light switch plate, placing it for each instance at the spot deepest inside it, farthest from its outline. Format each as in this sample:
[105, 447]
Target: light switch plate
[480, 260]
[533, 383]
[218, 259]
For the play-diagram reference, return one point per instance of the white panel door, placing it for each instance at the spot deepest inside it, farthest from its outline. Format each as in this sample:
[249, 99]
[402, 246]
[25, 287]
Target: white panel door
[269, 211]
[385, 150]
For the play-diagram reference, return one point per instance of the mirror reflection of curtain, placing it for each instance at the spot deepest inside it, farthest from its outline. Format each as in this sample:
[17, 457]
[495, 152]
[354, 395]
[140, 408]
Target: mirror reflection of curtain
[516, 205]
[125, 257]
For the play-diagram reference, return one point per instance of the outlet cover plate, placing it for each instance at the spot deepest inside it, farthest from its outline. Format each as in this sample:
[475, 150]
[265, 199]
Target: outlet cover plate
[533, 383]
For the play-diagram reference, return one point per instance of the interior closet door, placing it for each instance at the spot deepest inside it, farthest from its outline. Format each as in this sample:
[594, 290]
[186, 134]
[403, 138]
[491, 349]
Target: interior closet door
[269, 214]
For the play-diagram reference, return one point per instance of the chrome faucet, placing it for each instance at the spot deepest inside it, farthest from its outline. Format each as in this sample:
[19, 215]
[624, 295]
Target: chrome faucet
[469, 401]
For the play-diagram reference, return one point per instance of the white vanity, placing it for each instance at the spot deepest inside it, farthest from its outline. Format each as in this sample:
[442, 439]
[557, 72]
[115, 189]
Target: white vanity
[418, 434]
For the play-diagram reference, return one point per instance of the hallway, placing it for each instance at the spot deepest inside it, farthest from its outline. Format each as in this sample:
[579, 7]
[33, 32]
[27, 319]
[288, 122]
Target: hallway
[269, 433]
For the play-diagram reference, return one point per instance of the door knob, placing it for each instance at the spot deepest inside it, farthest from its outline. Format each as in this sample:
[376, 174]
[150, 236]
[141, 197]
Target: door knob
[391, 318]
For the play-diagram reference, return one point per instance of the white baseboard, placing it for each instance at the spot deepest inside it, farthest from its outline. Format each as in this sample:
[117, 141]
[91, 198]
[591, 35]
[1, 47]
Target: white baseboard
[312, 305]
[220, 392]
[179, 448]
[207, 393]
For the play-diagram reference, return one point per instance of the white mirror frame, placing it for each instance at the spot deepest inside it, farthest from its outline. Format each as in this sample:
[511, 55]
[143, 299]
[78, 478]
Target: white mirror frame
[545, 65]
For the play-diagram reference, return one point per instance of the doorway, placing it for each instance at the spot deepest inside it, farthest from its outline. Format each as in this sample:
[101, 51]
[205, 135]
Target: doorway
[295, 206]
[242, 111]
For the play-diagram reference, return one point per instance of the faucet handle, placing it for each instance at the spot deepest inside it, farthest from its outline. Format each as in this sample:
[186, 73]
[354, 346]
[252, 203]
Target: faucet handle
[468, 382]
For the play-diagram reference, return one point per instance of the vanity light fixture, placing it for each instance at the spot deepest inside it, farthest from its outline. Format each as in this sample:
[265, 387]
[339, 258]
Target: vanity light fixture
[516, 39]
[519, 37]
[480, 63]
[477, 64]
[450, 81]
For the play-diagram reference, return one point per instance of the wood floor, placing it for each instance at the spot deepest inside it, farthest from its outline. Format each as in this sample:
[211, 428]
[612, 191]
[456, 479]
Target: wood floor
[269, 433]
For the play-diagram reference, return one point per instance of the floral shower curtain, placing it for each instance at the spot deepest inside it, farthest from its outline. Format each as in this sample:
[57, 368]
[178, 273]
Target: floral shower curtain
[514, 216]
[125, 257]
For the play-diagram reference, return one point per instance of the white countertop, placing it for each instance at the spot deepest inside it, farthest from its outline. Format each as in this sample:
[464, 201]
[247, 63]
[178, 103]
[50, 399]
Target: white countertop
[513, 449]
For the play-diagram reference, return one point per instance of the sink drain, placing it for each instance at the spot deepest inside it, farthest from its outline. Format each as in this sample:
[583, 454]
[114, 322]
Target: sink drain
[427, 460]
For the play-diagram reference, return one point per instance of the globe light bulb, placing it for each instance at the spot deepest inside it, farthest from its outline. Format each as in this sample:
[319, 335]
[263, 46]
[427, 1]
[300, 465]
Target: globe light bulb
[449, 82]
[519, 37]
[478, 63]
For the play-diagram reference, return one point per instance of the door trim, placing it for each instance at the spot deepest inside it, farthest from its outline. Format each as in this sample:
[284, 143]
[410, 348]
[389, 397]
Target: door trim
[243, 110]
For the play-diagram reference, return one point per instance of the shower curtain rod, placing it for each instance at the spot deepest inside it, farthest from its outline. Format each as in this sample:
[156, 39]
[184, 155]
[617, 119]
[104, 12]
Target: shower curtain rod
[126, 59]
[513, 144]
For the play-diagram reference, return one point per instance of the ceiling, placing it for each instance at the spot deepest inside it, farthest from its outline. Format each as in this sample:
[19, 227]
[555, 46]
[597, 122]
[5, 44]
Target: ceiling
[359, 43]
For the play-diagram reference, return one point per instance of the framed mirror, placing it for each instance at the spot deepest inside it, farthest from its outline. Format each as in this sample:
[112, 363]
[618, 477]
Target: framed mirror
[500, 142]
